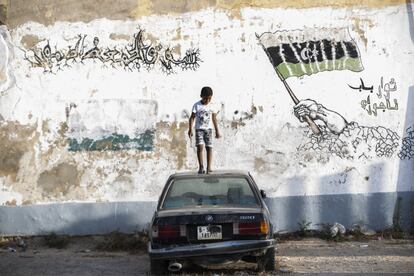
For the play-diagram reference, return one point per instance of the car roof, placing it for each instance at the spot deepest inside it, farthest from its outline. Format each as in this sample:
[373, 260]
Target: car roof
[214, 173]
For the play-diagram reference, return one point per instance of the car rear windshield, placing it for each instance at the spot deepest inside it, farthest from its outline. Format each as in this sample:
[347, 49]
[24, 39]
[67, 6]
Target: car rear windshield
[209, 191]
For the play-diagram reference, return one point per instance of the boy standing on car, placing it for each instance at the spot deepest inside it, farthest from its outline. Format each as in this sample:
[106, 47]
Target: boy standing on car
[205, 116]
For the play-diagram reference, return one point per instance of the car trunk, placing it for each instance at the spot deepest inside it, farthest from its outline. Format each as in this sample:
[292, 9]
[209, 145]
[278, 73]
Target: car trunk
[208, 224]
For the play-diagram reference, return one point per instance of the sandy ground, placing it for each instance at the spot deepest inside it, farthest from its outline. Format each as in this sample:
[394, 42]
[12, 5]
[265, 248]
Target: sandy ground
[300, 257]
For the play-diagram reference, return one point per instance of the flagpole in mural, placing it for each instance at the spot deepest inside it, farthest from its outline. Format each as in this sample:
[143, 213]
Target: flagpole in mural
[313, 126]
[305, 52]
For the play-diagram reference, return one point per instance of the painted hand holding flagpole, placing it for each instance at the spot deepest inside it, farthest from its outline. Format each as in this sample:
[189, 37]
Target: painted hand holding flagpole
[313, 126]
[306, 52]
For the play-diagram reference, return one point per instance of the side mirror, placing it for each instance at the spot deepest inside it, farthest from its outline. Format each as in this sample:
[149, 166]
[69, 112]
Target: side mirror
[263, 193]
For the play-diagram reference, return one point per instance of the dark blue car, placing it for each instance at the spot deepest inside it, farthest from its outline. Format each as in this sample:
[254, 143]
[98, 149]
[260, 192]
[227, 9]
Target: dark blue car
[211, 219]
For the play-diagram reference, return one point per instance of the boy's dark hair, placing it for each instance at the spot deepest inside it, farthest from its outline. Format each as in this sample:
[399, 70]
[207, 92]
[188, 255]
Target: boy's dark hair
[206, 91]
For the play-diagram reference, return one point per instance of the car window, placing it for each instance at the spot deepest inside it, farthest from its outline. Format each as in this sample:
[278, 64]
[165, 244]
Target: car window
[210, 191]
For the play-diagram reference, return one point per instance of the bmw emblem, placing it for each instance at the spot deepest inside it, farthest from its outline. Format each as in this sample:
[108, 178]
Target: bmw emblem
[209, 218]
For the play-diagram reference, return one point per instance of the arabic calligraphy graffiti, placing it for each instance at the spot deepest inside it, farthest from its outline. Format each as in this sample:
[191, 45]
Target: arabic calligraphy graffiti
[407, 146]
[132, 56]
[390, 86]
[383, 90]
[362, 86]
[375, 106]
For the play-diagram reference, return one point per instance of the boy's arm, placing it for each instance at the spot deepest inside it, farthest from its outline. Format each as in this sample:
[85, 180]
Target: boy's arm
[214, 117]
[190, 125]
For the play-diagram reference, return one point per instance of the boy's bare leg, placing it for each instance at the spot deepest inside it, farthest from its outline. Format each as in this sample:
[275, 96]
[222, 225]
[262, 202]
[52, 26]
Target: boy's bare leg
[209, 158]
[200, 149]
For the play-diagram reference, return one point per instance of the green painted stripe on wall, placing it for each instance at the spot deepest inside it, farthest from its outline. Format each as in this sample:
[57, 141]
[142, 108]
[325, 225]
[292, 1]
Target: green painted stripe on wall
[115, 142]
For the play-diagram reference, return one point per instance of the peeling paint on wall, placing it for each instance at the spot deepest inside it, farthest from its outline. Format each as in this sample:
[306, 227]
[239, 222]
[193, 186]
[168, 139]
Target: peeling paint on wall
[59, 180]
[233, 7]
[6, 54]
[360, 25]
[16, 141]
[172, 138]
[3, 12]
[30, 41]
[240, 117]
[49, 12]
[115, 36]
[111, 125]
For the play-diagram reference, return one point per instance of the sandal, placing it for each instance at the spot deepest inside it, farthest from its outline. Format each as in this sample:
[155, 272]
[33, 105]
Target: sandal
[201, 171]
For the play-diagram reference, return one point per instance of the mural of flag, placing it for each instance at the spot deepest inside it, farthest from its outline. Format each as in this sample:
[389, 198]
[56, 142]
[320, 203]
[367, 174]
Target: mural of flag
[309, 51]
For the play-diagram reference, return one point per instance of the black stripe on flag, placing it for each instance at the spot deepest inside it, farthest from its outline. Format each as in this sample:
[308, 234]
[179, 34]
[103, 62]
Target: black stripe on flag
[313, 51]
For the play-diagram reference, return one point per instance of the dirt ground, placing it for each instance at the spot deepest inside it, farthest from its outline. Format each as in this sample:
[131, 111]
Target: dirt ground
[309, 256]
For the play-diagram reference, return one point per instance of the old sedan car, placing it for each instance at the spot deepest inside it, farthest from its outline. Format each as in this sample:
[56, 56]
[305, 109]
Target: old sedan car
[210, 219]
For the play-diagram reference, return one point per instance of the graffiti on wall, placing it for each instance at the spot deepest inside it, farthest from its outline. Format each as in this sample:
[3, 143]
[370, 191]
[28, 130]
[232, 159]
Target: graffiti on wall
[133, 56]
[116, 124]
[407, 145]
[305, 52]
[345, 139]
[295, 53]
[381, 100]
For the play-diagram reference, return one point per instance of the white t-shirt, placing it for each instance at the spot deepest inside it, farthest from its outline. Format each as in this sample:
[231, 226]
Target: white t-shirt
[203, 115]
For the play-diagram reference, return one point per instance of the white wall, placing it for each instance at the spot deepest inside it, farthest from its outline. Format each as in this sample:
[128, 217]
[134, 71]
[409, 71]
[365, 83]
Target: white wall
[261, 134]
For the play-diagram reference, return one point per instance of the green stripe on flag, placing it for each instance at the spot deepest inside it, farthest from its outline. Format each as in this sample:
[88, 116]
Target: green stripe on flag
[299, 69]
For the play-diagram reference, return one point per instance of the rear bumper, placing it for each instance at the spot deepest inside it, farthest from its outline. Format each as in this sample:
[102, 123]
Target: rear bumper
[217, 248]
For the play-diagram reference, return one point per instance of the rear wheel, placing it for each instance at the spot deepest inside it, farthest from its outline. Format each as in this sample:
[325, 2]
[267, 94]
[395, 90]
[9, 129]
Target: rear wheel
[158, 267]
[267, 261]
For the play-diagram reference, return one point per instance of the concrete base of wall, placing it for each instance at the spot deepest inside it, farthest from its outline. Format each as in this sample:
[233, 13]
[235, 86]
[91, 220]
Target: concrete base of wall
[75, 218]
[377, 211]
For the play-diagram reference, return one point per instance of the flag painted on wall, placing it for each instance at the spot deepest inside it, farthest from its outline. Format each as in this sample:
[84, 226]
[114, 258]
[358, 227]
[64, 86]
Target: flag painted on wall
[309, 51]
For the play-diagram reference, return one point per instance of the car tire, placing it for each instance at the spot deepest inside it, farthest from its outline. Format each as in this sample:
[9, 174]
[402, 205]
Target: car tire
[158, 267]
[267, 262]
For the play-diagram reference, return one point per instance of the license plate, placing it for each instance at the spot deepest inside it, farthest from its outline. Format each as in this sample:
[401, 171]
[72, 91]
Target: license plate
[211, 232]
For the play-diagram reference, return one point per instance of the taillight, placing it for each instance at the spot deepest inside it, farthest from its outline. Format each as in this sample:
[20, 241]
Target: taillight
[251, 228]
[166, 232]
